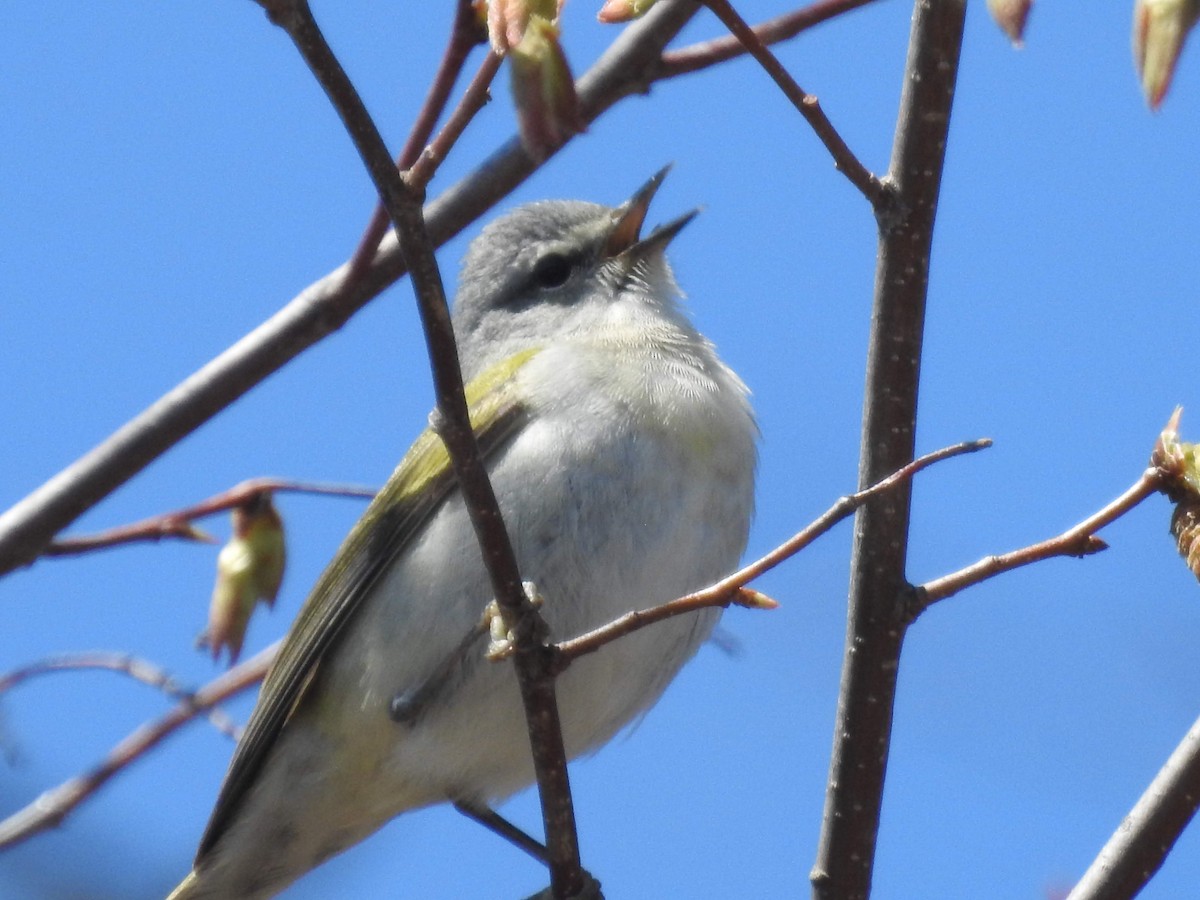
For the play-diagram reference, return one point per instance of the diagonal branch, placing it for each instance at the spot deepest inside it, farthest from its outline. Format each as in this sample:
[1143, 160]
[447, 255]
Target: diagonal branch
[807, 105]
[709, 53]
[1138, 847]
[123, 663]
[56, 804]
[1079, 540]
[453, 425]
[725, 591]
[423, 168]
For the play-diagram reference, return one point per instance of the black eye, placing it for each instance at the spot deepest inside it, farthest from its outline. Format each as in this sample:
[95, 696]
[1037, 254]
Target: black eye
[552, 270]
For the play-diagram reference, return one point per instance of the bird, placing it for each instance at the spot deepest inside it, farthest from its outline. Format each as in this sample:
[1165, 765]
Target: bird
[622, 452]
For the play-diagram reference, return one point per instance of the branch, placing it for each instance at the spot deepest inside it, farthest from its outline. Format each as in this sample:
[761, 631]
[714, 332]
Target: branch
[1144, 838]
[710, 53]
[843, 157]
[25, 529]
[878, 587]
[453, 425]
[123, 663]
[178, 523]
[1079, 540]
[726, 591]
[422, 170]
[465, 34]
[56, 804]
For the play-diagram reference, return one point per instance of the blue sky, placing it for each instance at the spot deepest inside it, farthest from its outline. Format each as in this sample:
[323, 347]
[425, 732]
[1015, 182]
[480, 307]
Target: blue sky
[172, 175]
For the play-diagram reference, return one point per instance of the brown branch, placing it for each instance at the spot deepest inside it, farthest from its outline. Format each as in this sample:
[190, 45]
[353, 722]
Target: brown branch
[709, 53]
[453, 425]
[178, 523]
[1080, 540]
[625, 69]
[465, 34]
[56, 804]
[843, 157]
[1142, 841]
[725, 591]
[878, 586]
[125, 664]
[421, 172]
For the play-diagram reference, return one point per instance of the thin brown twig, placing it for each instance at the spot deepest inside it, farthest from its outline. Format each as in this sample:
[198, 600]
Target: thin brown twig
[125, 664]
[465, 34]
[453, 425]
[54, 805]
[724, 592]
[807, 105]
[1079, 540]
[178, 523]
[476, 96]
[709, 53]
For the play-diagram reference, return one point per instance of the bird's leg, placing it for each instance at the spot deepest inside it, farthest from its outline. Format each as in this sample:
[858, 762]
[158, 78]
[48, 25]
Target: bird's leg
[497, 824]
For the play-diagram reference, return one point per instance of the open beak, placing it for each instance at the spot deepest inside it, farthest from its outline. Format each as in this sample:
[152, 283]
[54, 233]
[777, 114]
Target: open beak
[625, 238]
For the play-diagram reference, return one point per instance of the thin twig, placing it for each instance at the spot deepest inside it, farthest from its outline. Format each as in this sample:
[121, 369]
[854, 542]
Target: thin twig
[465, 34]
[123, 663]
[709, 53]
[56, 804]
[178, 523]
[877, 610]
[421, 172]
[724, 592]
[1079, 540]
[807, 105]
[454, 427]
[1142, 841]
[157, 528]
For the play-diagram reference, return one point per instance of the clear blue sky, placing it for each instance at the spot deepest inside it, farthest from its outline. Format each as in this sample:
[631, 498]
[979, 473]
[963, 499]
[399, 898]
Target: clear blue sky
[171, 176]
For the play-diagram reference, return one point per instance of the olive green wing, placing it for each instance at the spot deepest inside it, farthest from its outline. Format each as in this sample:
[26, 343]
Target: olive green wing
[416, 489]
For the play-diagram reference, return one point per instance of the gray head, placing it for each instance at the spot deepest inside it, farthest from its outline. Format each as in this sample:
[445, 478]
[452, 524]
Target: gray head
[553, 268]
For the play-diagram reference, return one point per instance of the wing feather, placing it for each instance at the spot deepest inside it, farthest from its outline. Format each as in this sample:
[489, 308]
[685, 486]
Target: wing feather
[416, 489]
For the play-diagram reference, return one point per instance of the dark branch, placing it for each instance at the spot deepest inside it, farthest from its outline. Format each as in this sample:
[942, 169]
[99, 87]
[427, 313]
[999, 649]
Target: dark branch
[807, 105]
[453, 425]
[878, 586]
[710, 53]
